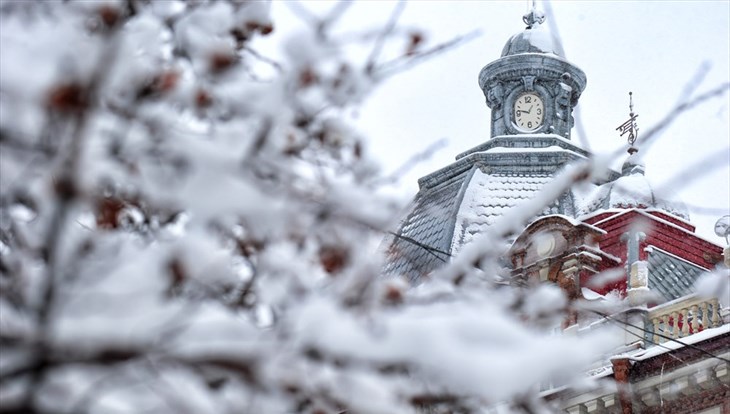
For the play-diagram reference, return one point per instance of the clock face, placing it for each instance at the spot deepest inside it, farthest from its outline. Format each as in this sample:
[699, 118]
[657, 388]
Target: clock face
[529, 111]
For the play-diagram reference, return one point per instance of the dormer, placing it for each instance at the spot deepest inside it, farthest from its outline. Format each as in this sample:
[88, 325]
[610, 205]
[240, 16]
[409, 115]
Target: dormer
[560, 250]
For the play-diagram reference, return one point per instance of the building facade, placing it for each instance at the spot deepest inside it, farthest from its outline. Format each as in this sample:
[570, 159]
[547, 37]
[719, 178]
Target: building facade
[615, 236]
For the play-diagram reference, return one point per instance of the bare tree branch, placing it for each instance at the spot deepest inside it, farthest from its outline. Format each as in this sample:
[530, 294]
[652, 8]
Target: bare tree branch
[380, 40]
[405, 62]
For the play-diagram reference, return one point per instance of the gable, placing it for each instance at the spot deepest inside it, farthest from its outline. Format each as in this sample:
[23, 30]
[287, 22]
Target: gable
[660, 232]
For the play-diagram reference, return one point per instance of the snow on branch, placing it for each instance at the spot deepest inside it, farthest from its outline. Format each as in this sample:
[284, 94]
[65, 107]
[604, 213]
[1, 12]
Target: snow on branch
[177, 235]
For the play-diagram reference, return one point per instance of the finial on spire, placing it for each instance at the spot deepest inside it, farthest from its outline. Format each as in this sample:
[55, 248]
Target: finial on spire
[533, 17]
[630, 126]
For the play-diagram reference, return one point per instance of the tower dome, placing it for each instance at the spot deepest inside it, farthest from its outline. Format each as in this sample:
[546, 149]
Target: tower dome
[633, 190]
[534, 39]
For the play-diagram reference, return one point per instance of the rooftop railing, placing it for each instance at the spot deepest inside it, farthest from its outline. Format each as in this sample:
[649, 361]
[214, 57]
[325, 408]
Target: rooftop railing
[682, 317]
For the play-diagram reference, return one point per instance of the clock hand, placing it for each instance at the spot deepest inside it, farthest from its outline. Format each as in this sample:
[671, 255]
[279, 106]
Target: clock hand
[530, 109]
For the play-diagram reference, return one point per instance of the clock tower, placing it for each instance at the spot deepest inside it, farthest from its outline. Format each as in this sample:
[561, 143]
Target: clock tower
[532, 89]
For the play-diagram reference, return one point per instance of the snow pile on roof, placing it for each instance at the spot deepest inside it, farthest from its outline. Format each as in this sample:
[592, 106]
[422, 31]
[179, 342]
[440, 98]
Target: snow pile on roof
[633, 190]
[489, 196]
[532, 40]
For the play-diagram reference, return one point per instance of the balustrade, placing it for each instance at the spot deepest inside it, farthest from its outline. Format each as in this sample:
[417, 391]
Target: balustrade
[682, 318]
[652, 394]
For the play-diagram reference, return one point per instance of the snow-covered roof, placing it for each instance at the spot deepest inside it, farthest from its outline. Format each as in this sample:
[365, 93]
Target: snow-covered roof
[461, 200]
[571, 220]
[670, 346]
[489, 196]
[633, 190]
[536, 39]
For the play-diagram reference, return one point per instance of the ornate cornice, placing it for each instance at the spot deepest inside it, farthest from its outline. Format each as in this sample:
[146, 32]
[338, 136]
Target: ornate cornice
[503, 162]
[526, 141]
[540, 65]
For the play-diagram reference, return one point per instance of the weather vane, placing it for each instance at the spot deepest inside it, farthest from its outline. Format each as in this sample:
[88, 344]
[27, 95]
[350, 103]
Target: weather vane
[533, 16]
[630, 126]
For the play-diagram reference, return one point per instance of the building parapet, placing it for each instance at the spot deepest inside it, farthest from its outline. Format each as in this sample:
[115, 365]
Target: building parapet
[681, 318]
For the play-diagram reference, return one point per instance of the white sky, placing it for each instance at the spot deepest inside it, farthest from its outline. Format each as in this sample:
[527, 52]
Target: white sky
[650, 48]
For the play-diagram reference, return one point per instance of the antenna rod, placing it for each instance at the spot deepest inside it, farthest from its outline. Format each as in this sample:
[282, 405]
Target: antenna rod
[631, 104]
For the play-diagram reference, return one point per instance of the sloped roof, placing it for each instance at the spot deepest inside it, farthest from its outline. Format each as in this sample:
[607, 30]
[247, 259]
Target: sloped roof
[423, 241]
[633, 190]
[461, 200]
[671, 276]
[489, 196]
[444, 218]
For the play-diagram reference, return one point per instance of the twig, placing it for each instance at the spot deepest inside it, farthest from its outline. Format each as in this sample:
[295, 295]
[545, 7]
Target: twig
[407, 61]
[264, 59]
[552, 22]
[66, 193]
[414, 160]
[648, 138]
[696, 171]
[380, 40]
[694, 83]
[302, 12]
[431, 250]
[335, 14]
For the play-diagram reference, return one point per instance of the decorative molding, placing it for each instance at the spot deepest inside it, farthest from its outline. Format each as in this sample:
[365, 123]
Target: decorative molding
[542, 66]
[528, 82]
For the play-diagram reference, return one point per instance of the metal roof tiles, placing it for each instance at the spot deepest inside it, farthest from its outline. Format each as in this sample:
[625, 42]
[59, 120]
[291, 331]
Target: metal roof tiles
[671, 276]
[446, 217]
[489, 196]
[422, 243]
[461, 200]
